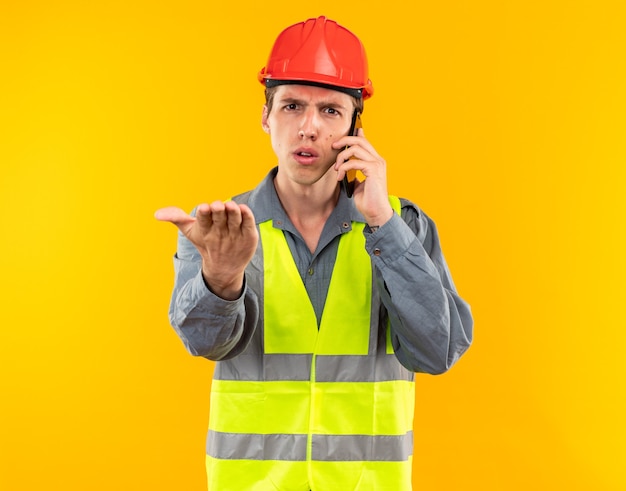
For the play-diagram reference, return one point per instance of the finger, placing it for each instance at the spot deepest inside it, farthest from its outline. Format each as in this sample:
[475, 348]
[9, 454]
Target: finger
[173, 215]
[248, 223]
[233, 217]
[340, 164]
[214, 215]
[361, 154]
[352, 158]
[358, 141]
[204, 217]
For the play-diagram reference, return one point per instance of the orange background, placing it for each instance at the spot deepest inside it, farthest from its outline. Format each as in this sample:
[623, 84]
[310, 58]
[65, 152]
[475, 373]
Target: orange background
[505, 121]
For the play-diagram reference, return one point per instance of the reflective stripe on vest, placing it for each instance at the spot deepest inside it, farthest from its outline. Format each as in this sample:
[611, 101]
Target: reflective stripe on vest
[328, 408]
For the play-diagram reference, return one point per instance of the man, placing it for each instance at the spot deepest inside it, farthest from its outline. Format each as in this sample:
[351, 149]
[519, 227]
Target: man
[317, 307]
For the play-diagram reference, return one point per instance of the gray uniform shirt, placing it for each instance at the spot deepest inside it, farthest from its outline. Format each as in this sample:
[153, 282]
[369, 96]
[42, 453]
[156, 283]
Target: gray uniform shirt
[431, 326]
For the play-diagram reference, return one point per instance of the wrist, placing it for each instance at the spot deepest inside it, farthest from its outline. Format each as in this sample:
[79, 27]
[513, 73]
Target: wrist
[226, 289]
[377, 221]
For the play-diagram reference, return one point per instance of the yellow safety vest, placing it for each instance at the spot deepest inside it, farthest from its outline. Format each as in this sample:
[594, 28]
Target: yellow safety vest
[318, 409]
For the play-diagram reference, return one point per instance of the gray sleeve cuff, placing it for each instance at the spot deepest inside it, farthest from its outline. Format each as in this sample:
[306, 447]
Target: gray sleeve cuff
[391, 241]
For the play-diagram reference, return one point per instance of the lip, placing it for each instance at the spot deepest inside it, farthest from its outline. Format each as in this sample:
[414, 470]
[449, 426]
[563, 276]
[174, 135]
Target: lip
[305, 159]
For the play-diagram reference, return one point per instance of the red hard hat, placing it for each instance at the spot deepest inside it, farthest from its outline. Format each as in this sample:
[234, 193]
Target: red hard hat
[319, 52]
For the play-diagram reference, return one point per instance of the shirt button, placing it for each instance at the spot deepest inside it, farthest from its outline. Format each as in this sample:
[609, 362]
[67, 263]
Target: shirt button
[377, 252]
[310, 271]
[345, 225]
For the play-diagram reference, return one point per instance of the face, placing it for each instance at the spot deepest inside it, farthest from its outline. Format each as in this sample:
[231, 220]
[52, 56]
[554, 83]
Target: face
[303, 124]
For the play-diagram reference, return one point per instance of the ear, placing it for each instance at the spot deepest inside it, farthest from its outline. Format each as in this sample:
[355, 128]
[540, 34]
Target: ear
[266, 127]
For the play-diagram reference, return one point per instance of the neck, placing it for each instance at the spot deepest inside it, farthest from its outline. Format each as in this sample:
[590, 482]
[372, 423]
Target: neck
[307, 200]
[308, 207]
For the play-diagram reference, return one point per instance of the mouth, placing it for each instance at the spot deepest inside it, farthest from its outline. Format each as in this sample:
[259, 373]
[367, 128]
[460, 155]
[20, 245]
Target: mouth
[305, 152]
[305, 156]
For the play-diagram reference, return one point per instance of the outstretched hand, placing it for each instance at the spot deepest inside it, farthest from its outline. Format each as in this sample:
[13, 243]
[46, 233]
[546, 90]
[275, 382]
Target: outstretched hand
[226, 237]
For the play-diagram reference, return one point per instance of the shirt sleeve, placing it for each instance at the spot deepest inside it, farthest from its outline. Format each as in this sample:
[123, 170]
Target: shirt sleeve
[208, 325]
[431, 325]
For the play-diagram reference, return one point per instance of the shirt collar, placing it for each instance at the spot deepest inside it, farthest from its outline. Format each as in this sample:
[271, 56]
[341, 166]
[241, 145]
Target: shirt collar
[266, 206]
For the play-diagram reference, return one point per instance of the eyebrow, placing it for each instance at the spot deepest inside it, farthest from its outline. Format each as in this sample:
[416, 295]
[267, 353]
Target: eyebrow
[302, 102]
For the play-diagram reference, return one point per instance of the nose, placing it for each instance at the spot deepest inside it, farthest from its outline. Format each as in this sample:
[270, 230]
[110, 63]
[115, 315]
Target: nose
[309, 126]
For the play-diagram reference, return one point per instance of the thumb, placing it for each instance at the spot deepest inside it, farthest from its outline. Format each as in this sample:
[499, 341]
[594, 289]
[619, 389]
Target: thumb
[173, 215]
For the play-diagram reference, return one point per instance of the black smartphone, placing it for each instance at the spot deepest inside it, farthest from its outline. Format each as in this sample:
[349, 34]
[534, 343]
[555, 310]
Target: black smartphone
[349, 178]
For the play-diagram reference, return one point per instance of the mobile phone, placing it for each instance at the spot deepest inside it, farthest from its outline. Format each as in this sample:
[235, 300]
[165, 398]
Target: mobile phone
[349, 178]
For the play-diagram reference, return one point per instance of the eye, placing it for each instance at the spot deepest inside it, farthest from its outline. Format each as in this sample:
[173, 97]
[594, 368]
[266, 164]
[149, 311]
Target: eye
[291, 107]
[332, 110]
